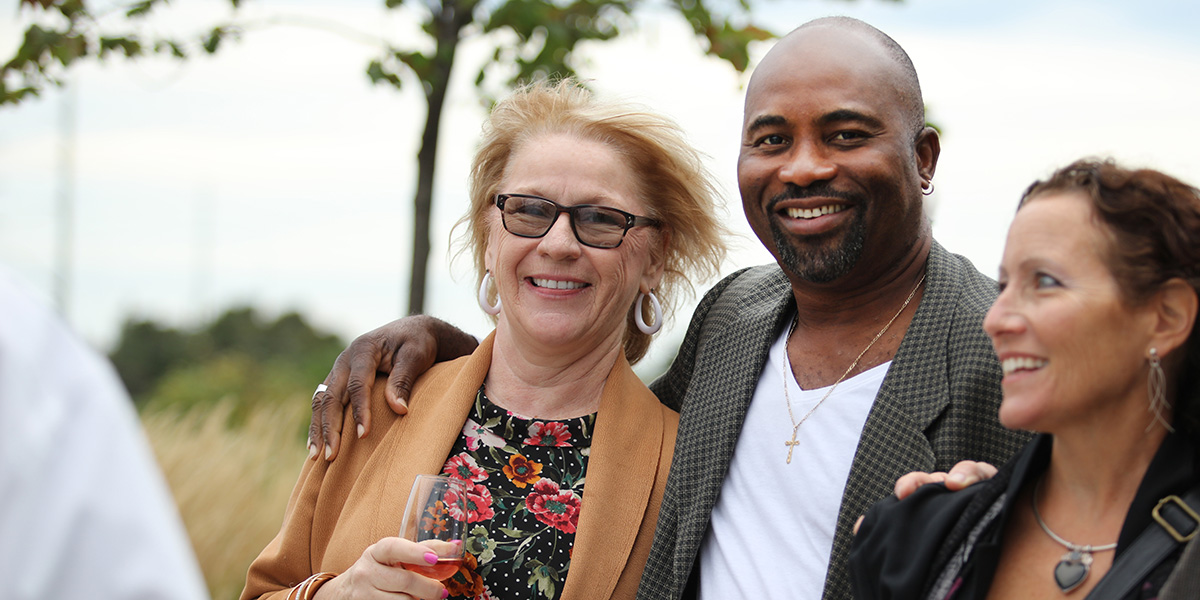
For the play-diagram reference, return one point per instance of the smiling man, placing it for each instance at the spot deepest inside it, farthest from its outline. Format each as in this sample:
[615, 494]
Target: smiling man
[805, 387]
[808, 387]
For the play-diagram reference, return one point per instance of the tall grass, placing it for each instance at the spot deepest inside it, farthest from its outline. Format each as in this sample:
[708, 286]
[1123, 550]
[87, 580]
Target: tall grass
[231, 480]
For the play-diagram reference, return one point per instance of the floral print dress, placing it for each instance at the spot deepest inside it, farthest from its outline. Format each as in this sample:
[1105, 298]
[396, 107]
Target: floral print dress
[527, 477]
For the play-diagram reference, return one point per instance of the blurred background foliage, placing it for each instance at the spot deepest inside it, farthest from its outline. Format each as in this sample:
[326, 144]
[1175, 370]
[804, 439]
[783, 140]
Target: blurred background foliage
[226, 407]
[240, 358]
[231, 482]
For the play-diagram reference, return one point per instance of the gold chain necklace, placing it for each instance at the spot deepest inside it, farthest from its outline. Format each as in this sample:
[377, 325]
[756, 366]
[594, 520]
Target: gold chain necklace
[791, 444]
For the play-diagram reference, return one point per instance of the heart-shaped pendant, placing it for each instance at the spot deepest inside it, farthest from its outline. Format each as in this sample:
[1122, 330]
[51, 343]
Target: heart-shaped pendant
[1072, 569]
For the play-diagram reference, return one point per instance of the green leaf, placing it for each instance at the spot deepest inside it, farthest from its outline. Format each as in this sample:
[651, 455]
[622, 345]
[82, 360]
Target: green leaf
[379, 74]
[130, 47]
[71, 9]
[140, 8]
[68, 48]
[514, 533]
[421, 65]
[213, 40]
[169, 45]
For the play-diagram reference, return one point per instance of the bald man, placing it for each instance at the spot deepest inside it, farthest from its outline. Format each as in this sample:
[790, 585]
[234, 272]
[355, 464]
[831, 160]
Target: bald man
[806, 387]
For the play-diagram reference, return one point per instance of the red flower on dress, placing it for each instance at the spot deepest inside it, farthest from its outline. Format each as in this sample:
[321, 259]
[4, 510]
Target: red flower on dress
[553, 506]
[548, 434]
[464, 467]
[478, 500]
[522, 471]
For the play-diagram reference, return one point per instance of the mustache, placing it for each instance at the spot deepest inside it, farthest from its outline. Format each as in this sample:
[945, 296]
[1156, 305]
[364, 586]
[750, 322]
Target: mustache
[818, 189]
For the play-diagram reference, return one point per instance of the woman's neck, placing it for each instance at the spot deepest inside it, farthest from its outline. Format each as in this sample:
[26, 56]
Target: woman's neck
[549, 384]
[1095, 471]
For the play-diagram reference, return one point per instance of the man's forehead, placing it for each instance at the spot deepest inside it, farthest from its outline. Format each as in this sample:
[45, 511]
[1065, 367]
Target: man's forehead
[843, 72]
[836, 51]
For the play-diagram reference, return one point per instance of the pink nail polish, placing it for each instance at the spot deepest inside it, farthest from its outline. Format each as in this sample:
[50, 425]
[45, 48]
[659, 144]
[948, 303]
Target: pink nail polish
[431, 558]
[445, 593]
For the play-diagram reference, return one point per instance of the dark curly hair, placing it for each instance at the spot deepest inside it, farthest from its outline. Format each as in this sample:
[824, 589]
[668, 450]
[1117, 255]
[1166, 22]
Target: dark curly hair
[1153, 223]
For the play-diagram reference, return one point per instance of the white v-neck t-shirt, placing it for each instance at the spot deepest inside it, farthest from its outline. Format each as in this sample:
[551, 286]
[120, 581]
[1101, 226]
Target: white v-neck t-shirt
[772, 527]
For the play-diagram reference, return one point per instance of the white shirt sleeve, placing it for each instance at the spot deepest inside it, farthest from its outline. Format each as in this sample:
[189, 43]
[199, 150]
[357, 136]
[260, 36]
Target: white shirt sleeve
[84, 510]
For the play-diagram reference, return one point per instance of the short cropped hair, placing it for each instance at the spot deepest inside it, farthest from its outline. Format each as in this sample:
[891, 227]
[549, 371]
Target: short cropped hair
[672, 181]
[1153, 223]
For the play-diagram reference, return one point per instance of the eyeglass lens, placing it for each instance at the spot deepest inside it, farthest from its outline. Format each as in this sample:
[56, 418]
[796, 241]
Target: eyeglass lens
[593, 225]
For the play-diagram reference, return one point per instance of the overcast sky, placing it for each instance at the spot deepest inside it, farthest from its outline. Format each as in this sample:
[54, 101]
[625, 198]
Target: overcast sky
[274, 174]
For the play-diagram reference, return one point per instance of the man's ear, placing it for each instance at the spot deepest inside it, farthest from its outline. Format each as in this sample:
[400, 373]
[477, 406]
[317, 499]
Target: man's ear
[928, 149]
[1175, 306]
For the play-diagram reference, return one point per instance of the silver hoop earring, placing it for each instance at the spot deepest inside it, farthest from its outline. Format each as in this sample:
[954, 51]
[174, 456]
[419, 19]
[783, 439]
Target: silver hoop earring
[491, 309]
[641, 321]
[1156, 386]
[927, 191]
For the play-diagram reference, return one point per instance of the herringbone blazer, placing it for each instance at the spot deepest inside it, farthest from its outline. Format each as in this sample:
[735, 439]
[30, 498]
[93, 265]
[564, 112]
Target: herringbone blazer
[937, 405]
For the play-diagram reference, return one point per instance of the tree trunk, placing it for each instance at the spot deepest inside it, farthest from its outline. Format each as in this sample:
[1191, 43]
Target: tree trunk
[448, 23]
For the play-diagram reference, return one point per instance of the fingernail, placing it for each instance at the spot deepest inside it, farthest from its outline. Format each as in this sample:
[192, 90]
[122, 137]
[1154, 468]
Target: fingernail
[402, 402]
[445, 593]
[361, 430]
[957, 478]
[328, 452]
[312, 451]
[431, 558]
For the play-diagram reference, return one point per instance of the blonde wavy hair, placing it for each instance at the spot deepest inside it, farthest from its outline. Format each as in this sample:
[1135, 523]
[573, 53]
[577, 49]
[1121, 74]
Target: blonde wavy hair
[673, 183]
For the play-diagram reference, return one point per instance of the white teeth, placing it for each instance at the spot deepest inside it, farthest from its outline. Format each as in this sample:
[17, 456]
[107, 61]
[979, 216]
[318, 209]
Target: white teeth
[557, 285]
[1021, 363]
[812, 213]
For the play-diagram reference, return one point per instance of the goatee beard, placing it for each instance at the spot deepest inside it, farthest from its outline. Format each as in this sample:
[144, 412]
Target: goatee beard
[821, 263]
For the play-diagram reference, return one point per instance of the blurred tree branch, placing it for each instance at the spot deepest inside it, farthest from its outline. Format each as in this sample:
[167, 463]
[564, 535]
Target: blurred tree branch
[68, 32]
[537, 37]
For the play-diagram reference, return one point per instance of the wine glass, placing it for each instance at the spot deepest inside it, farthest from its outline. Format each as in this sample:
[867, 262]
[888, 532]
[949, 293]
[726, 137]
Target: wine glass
[436, 515]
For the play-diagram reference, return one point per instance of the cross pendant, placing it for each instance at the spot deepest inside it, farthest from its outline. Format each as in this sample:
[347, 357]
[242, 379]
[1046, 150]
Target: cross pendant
[791, 446]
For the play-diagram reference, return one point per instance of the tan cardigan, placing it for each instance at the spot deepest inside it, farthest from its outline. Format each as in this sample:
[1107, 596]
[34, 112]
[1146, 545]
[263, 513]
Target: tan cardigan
[338, 509]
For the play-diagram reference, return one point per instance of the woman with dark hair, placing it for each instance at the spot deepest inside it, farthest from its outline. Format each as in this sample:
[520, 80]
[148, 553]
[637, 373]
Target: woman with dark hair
[1095, 327]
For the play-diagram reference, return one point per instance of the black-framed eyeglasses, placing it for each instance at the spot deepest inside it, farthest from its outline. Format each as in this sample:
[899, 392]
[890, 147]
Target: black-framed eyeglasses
[530, 216]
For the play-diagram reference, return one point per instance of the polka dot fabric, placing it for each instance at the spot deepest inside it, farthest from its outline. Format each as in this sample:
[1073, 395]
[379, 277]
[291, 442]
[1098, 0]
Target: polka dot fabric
[527, 479]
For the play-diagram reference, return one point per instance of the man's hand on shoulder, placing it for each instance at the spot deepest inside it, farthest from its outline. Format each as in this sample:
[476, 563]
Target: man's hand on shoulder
[404, 348]
[961, 475]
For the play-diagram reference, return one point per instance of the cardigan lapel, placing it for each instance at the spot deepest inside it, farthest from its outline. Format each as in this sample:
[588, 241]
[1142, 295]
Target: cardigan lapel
[621, 471]
[426, 435]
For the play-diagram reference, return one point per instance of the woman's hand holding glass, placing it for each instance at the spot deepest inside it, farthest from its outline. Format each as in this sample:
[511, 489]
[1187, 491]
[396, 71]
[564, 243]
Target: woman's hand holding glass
[428, 548]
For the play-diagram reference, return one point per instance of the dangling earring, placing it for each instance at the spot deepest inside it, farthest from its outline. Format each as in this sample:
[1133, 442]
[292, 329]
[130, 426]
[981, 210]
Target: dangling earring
[641, 321]
[1156, 386]
[491, 309]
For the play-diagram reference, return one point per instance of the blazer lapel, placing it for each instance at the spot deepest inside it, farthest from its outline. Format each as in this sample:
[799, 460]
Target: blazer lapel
[621, 470]
[915, 392]
[737, 336]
